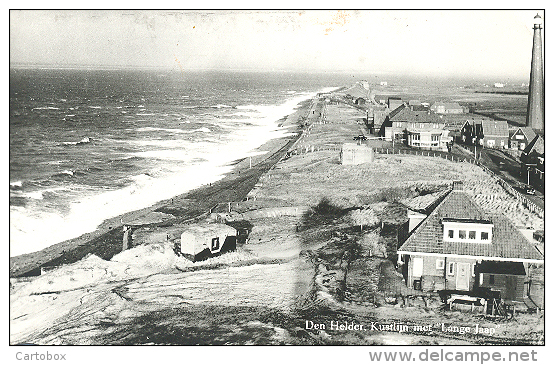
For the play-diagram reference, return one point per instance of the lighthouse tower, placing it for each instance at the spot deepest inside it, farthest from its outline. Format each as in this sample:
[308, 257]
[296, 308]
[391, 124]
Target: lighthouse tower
[535, 101]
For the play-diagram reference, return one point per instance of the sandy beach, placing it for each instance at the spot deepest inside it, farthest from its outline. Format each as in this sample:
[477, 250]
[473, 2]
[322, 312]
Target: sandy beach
[106, 240]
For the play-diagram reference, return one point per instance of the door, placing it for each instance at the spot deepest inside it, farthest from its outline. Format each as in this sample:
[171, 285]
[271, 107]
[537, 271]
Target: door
[462, 276]
[511, 283]
[417, 267]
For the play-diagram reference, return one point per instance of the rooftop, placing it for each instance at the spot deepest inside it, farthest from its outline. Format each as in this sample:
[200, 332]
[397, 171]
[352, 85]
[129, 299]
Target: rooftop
[409, 115]
[507, 241]
[495, 128]
[537, 145]
[528, 132]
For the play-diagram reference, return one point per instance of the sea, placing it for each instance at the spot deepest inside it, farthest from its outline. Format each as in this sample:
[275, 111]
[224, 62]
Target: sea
[87, 145]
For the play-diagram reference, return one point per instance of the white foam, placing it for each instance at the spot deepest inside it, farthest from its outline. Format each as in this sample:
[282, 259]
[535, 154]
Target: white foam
[16, 184]
[46, 108]
[34, 230]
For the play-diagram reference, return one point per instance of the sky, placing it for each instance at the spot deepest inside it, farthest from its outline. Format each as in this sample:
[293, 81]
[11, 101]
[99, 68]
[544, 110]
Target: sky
[449, 43]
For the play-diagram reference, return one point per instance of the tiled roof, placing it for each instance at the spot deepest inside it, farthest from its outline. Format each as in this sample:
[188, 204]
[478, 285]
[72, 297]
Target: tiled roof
[420, 108]
[396, 111]
[537, 144]
[528, 132]
[447, 105]
[495, 128]
[408, 115]
[507, 241]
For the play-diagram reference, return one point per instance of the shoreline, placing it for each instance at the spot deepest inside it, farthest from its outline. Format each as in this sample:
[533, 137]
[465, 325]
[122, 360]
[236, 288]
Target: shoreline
[106, 240]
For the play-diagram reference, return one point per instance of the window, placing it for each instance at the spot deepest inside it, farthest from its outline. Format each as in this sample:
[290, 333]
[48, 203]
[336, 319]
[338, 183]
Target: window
[472, 235]
[440, 264]
[484, 236]
[462, 234]
[215, 243]
[472, 269]
[450, 268]
[491, 279]
[450, 233]
[435, 137]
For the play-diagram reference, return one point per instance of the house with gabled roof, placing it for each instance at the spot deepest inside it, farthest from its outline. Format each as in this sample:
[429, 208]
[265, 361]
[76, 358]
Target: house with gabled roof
[441, 107]
[460, 247]
[419, 129]
[387, 123]
[532, 161]
[521, 138]
[494, 133]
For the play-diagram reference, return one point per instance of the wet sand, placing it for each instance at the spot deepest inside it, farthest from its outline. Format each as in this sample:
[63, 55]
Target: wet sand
[106, 240]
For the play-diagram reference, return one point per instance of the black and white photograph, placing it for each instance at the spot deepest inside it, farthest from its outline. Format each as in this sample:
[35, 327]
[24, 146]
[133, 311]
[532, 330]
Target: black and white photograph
[278, 177]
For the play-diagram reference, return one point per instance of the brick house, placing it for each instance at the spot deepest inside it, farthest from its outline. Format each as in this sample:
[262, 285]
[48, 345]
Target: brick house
[494, 133]
[419, 129]
[521, 138]
[461, 247]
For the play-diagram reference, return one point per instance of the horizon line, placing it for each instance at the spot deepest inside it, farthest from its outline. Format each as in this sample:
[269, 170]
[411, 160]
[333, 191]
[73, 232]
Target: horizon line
[33, 66]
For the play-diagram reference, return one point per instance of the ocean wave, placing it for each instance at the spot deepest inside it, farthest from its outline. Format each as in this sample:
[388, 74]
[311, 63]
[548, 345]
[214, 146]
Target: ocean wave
[248, 107]
[16, 185]
[85, 140]
[46, 108]
[49, 193]
[173, 130]
[64, 174]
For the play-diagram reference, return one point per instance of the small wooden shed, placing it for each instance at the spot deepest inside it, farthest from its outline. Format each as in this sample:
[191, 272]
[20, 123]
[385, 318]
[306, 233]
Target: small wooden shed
[354, 154]
[201, 241]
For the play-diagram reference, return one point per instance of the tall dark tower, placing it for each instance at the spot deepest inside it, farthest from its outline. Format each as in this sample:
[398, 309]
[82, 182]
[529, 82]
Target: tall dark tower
[535, 101]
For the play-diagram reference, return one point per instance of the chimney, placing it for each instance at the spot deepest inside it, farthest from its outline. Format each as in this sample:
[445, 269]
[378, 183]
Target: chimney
[535, 101]
[457, 185]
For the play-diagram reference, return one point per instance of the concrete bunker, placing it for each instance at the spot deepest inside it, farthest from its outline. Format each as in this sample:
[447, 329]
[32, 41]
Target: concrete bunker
[355, 154]
[202, 241]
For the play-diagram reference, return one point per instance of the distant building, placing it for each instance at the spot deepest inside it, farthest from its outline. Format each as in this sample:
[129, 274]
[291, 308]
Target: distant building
[495, 134]
[360, 101]
[532, 162]
[387, 124]
[429, 136]
[419, 108]
[471, 131]
[521, 138]
[394, 102]
[455, 122]
[498, 84]
[448, 108]
[379, 114]
[355, 154]
[383, 83]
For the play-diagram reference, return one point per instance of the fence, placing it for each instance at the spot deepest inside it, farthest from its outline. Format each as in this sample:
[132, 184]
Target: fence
[447, 156]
